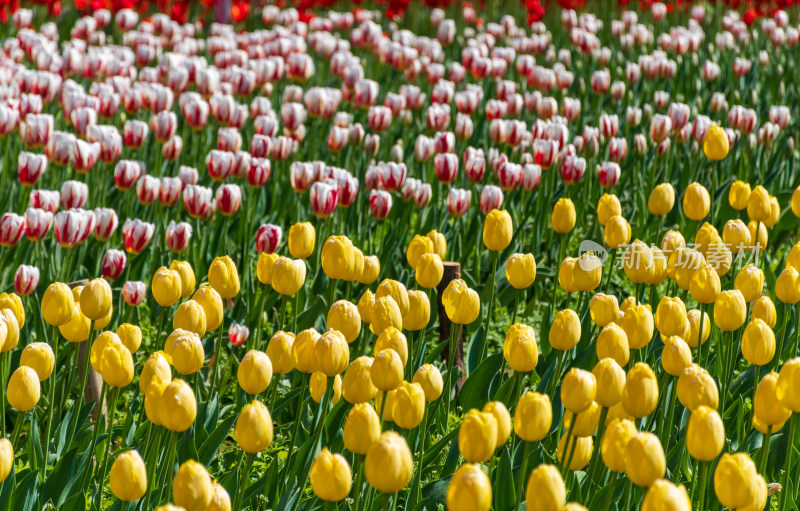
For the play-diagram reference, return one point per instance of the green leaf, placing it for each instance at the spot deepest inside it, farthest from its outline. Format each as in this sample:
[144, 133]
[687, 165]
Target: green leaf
[435, 494]
[308, 317]
[475, 349]
[75, 503]
[475, 391]
[209, 448]
[64, 470]
[504, 491]
[26, 495]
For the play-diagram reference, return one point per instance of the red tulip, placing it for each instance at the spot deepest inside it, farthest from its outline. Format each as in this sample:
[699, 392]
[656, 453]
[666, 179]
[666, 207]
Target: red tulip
[136, 235]
[268, 237]
[113, 264]
[134, 292]
[26, 278]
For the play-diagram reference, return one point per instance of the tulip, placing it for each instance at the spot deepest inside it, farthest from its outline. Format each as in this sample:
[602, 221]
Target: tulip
[768, 408]
[637, 321]
[330, 476]
[408, 406]
[136, 235]
[57, 304]
[192, 487]
[608, 206]
[715, 143]
[477, 436]
[6, 458]
[429, 270]
[319, 384]
[128, 477]
[387, 370]
[729, 310]
[288, 275]
[113, 264]
[640, 395]
[578, 390]
[223, 277]
[521, 270]
[461, 303]
[563, 217]
[419, 311]
[253, 430]
[254, 372]
[497, 230]
[26, 279]
[545, 489]
[612, 342]
[361, 428]
[696, 387]
[96, 299]
[331, 353]
[644, 459]
[388, 465]
[178, 407]
[23, 389]
[579, 453]
[696, 202]
[734, 480]
[662, 494]
[759, 208]
[614, 442]
[469, 489]
[705, 435]
[617, 232]
[38, 356]
[520, 349]
[565, 331]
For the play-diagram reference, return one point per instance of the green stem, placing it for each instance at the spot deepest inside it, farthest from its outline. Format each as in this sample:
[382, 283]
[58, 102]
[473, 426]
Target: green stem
[216, 361]
[601, 428]
[703, 483]
[297, 419]
[670, 414]
[489, 311]
[107, 449]
[788, 463]
[243, 483]
[3, 358]
[96, 429]
[170, 466]
[152, 466]
[521, 476]
[451, 353]
[765, 452]
[18, 429]
[84, 377]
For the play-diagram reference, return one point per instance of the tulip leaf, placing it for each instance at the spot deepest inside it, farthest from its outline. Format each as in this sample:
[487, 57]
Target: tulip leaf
[435, 493]
[26, 494]
[475, 349]
[209, 448]
[289, 498]
[6, 487]
[475, 392]
[75, 503]
[309, 317]
[63, 471]
[503, 478]
[451, 462]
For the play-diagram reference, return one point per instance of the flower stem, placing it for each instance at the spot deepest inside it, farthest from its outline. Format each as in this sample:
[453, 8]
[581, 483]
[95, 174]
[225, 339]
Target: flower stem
[521, 476]
[243, 483]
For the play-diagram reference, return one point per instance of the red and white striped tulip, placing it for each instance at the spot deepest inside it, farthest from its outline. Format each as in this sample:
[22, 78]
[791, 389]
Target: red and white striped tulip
[30, 167]
[491, 198]
[380, 204]
[134, 292]
[113, 264]
[136, 235]
[268, 237]
[73, 226]
[323, 198]
[26, 279]
[177, 236]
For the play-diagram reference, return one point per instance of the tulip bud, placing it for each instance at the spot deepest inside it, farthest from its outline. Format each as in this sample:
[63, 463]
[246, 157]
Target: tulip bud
[211, 302]
[545, 490]
[304, 351]
[430, 379]
[640, 395]
[166, 286]
[264, 267]
[186, 273]
[696, 387]
[617, 232]
[190, 316]
[734, 481]
[418, 246]
[768, 408]
[520, 348]
[408, 406]
[6, 458]
[128, 477]
[223, 277]
[370, 271]
[385, 313]
[387, 370]
[758, 343]
[288, 275]
[604, 309]
[39, 357]
[696, 202]
[661, 200]
[191, 486]
[318, 384]
[521, 270]
[637, 321]
[343, 316]
[563, 218]
[612, 342]
[253, 430]
[361, 428]
[666, 495]
[644, 459]
[715, 143]
[178, 407]
[388, 465]
[533, 416]
[497, 230]
[579, 447]
[618, 434]
[337, 257]
[57, 304]
[670, 317]
[730, 310]
[332, 353]
[429, 270]
[301, 240]
[608, 206]
[254, 372]
[330, 476]
[705, 285]
[23, 389]
[705, 435]
[578, 390]
[469, 488]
